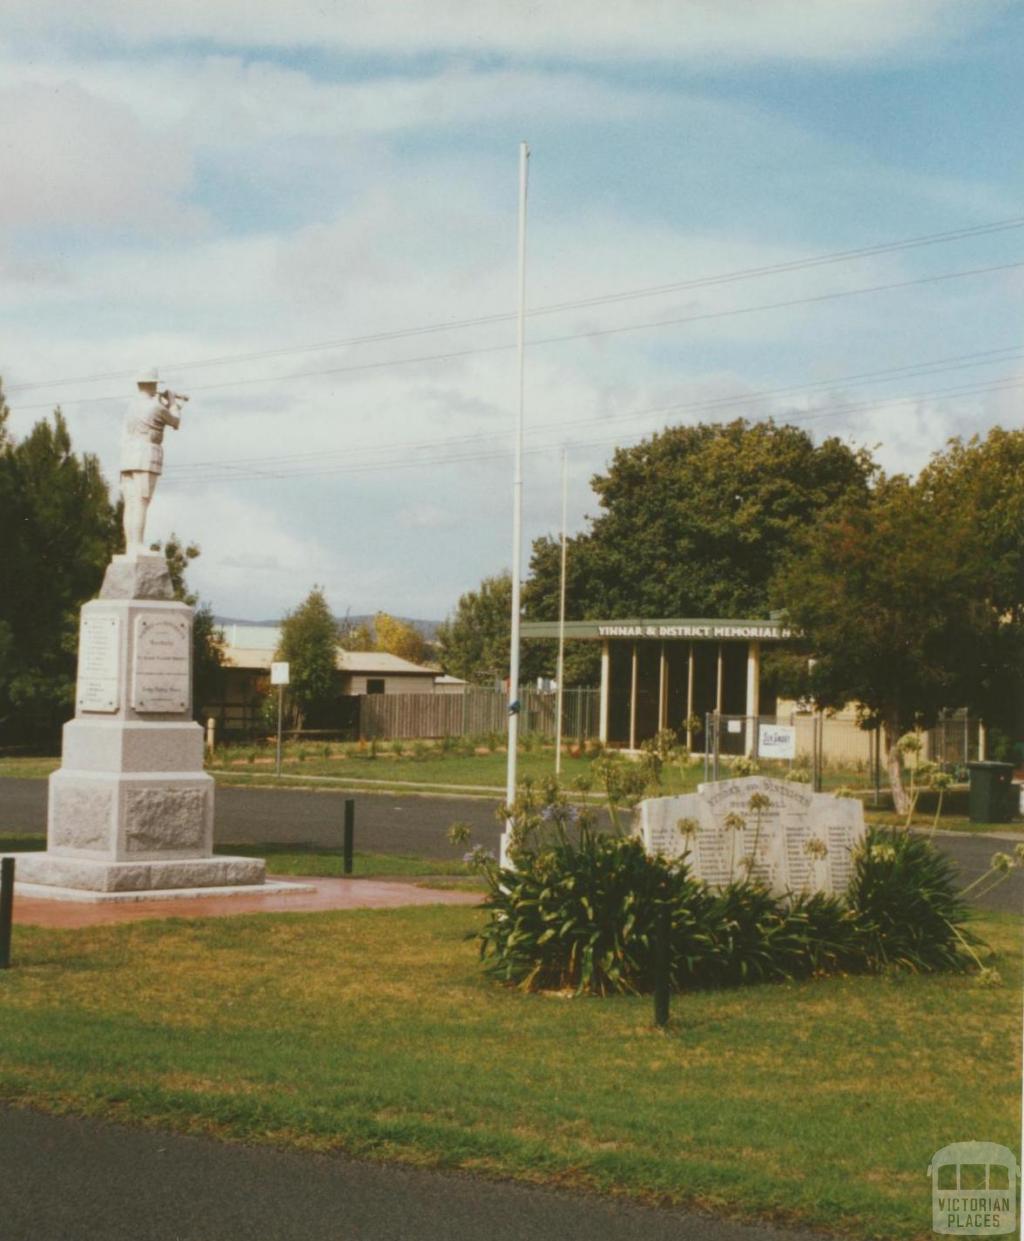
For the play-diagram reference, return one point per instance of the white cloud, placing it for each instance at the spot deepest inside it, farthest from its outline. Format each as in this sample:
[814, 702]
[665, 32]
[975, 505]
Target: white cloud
[339, 201]
[75, 160]
[737, 30]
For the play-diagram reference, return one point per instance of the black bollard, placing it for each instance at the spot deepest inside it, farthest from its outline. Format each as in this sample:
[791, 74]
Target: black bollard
[6, 910]
[662, 962]
[350, 831]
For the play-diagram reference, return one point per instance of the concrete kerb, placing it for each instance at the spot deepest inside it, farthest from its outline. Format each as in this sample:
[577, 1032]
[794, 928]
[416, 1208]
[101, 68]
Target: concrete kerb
[410, 788]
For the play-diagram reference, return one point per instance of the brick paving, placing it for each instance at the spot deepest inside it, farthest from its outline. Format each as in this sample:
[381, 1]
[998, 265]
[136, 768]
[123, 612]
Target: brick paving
[326, 894]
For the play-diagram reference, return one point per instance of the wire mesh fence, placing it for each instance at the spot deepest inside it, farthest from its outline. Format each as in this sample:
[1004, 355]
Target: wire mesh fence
[829, 751]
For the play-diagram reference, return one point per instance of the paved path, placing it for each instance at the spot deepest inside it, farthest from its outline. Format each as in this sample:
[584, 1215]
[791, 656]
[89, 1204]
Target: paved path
[386, 823]
[67, 1179]
[323, 894]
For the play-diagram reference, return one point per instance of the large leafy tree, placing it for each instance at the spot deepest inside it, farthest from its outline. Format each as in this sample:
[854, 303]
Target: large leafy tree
[398, 637]
[475, 641]
[695, 521]
[910, 599]
[981, 480]
[309, 643]
[59, 530]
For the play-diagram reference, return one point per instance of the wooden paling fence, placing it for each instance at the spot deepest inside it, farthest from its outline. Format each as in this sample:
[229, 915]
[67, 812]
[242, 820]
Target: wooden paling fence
[475, 712]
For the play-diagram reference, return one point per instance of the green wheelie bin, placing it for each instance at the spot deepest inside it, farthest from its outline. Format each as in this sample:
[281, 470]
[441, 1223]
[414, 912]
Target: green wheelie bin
[992, 792]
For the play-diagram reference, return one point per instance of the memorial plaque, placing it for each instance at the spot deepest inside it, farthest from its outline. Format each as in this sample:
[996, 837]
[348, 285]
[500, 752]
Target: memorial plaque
[99, 664]
[788, 838]
[161, 671]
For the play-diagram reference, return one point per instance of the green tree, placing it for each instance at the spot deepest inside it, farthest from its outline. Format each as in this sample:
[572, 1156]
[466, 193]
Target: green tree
[980, 480]
[695, 521]
[906, 599]
[474, 642]
[207, 637]
[59, 531]
[398, 637]
[355, 637]
[309, 643]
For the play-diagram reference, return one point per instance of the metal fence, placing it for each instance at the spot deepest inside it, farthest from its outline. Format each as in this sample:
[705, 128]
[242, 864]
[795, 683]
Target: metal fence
[833, 750]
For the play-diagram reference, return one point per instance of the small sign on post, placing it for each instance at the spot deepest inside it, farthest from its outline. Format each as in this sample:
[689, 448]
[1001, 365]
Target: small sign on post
[776, 741]
[279, 676]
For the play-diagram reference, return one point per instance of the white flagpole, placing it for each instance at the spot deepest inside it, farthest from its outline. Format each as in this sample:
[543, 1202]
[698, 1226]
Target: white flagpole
[560, 670]
[517, 515]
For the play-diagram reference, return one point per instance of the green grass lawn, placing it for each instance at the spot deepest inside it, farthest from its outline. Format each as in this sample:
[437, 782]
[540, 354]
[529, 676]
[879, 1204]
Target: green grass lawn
[313, 861]
[28, 768]
[486, 771]
[308, 860]
[374, 1032]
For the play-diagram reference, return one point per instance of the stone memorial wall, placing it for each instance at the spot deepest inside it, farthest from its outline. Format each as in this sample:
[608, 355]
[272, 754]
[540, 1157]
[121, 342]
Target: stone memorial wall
[778, 833]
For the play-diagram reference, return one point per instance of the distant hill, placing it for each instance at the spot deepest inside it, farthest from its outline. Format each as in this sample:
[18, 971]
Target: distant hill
[428, 628]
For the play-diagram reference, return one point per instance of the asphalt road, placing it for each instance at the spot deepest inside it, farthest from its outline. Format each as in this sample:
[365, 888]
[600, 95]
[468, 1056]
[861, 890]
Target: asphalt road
[70, 1179]
[417, 825]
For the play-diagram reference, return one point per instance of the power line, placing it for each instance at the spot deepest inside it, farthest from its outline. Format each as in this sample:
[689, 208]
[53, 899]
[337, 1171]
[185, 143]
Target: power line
[406, 461]
[838, 256]
[915, 369]
[589, 335]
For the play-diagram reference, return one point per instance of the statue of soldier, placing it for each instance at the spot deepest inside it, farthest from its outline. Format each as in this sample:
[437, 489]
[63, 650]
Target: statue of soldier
[142, 453]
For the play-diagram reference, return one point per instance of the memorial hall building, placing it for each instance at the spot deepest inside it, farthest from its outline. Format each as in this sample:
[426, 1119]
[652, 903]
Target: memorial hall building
[658, 673]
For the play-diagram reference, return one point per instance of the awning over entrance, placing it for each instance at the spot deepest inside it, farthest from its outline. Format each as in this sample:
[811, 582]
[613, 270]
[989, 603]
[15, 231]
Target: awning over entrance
[659, 674]
[595, 630]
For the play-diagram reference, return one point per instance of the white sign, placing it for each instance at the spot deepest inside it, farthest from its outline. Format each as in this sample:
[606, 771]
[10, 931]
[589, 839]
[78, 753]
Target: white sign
[775, 832]
[279, 674]
[99, 672]
[776, 741]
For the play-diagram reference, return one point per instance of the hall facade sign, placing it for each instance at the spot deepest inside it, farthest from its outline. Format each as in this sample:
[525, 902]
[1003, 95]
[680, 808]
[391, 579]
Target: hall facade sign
[661, 673]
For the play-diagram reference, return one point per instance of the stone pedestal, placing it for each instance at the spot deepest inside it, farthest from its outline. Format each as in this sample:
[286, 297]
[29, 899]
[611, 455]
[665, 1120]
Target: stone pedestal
[131, 808]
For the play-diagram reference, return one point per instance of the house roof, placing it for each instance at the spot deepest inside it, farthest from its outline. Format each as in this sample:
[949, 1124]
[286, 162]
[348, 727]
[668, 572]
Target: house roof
[358, 662]
[379, 661]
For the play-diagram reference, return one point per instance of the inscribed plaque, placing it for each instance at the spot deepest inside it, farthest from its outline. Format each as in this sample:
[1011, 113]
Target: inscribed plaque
[161, 672]
[99, 664]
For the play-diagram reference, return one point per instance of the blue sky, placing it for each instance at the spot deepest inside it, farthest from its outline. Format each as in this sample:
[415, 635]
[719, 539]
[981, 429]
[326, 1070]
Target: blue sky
[186, 183]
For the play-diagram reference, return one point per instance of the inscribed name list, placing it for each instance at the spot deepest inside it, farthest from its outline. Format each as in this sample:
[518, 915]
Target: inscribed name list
[161, 670]
[791, 839]
[99, 664]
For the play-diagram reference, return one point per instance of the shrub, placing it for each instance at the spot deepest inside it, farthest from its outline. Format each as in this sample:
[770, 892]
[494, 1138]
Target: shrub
[624, 783]
[580, 907]
[909, 911]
